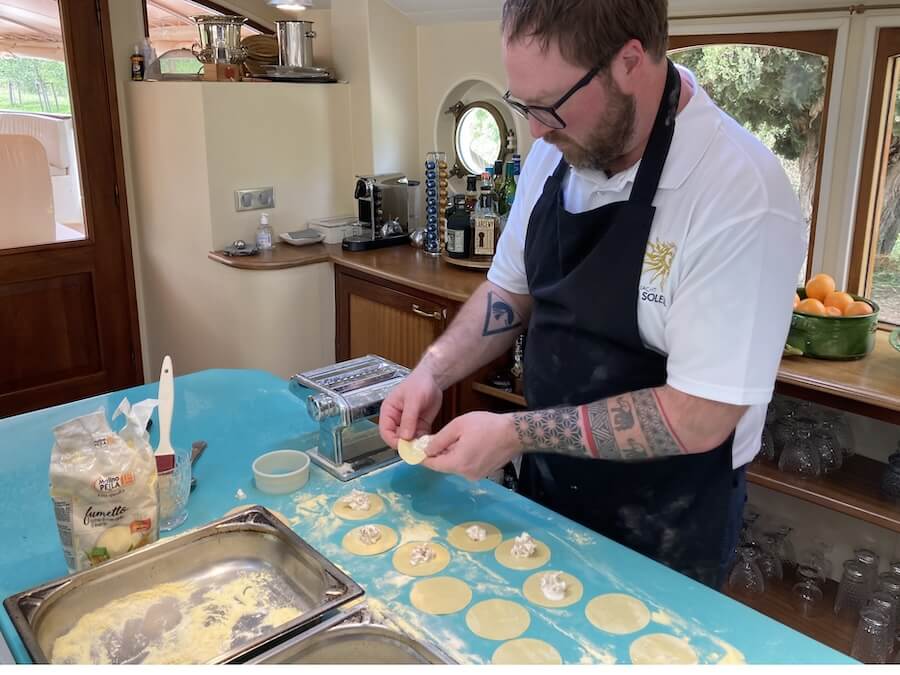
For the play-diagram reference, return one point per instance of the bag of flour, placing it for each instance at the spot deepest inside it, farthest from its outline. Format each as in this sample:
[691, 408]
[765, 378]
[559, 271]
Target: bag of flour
[104, 486]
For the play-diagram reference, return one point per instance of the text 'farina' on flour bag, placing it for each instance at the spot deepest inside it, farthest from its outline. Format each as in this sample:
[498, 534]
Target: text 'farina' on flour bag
[104, 486]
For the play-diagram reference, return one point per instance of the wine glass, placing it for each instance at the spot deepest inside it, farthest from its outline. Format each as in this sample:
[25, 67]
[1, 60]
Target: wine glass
[746, 578]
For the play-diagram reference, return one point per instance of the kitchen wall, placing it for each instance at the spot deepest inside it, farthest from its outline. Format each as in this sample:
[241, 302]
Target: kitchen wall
[196, 331]
[199, 142]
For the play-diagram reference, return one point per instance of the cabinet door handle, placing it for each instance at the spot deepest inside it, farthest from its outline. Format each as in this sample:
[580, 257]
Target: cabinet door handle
[434, 316]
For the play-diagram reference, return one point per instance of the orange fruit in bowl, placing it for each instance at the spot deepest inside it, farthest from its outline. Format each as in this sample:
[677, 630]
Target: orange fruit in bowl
[811, 306]
[796, 300]
[840, 300]
[833, 311]
[820, 287]
[859, 308]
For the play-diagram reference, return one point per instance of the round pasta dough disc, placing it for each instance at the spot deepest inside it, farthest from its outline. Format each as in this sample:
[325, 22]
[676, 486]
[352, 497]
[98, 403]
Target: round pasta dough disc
[277, 514]
[458, 538]
[526, 652]
[660, 648]
[409, 453]
[498, 619]
[533, 593]
[387, 541]
[440, 596]
[504, 556]
[433, 566]
[342, 509]
[617, 613]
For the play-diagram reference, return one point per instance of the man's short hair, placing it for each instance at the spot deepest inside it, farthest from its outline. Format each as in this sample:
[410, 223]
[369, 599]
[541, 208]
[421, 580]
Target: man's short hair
[589, 32]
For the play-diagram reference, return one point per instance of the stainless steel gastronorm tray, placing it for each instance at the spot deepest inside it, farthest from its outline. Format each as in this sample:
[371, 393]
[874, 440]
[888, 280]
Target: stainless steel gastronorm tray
[352, 639]
[251, 542]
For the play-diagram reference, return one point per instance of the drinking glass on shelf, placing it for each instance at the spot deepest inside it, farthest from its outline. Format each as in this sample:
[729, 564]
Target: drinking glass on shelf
[785, 547]
[807, 597]
[748, 527]
[890, 480]
[886, 604]
[869, 561]
[767, 445]
[830, 453]
[890, 583]
[800, 457]
[784, 430]
[816, 556]
[852, 593]
[768, 560]
[746, 578]
[872, 643]
[837, 424]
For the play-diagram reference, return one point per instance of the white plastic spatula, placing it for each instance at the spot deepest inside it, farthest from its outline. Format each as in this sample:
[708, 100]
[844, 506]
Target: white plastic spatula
[165, 454]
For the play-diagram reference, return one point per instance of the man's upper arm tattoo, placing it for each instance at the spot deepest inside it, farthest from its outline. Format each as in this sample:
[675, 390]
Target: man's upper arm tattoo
[500, 317]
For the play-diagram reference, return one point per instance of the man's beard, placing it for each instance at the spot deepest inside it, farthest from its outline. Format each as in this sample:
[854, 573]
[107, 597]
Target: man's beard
[608, 140]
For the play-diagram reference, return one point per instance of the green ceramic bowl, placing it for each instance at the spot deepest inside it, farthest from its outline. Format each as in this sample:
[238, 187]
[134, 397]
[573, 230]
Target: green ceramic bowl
[834, 337]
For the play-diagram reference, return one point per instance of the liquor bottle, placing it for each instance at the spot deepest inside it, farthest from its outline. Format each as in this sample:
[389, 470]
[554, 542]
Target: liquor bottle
[499, 188]
[487, 225]
[471, 193]
[517, 167]
[459, 229]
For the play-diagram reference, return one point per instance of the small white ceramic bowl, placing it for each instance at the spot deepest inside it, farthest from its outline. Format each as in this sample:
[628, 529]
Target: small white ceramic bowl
[280, 472]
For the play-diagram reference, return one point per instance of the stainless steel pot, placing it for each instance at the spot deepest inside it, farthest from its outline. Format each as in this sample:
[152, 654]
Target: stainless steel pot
[295, 43]
[220, 39]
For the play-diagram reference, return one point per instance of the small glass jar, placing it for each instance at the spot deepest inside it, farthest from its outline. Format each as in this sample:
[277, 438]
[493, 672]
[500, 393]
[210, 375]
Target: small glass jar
[830, 452]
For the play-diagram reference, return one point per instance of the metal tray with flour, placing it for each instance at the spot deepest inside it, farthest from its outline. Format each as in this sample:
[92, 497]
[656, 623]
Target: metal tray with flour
[218, 594]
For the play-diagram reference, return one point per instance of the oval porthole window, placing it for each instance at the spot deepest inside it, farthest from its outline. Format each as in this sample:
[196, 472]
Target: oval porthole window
[479, 137]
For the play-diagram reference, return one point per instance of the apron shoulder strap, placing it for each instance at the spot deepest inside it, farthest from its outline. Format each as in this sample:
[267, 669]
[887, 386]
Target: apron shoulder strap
[654, 160]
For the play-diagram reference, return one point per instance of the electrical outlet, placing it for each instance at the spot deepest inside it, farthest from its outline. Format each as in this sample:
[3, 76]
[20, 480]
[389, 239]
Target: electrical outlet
[251, 200]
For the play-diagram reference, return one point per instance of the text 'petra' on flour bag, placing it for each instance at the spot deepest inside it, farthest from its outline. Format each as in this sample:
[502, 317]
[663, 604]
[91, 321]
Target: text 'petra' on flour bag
[104, 486]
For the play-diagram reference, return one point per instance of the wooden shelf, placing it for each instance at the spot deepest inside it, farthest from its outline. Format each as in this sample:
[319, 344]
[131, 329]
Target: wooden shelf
[854, 490]
[777, 603]
[869, 386]
[509, 397]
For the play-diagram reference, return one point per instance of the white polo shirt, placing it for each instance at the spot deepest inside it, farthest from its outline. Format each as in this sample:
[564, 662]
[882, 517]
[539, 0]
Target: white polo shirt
[722, 263]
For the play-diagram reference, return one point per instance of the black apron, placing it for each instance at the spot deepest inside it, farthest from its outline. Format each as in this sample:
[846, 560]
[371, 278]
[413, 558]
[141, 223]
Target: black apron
[584, 273]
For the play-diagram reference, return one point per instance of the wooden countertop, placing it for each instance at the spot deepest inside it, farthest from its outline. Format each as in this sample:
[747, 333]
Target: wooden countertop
[869, 386]
[404, 265]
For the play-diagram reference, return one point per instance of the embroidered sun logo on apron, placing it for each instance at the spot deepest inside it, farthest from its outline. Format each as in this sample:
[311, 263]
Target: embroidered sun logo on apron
[658, 260]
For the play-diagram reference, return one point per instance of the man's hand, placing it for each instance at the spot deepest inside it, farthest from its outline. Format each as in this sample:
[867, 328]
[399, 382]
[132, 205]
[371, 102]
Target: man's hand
[474, 445]
[409, 410]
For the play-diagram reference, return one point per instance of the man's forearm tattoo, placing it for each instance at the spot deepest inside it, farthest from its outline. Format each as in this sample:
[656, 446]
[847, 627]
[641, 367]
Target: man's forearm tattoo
[631, 427]
[500, 317]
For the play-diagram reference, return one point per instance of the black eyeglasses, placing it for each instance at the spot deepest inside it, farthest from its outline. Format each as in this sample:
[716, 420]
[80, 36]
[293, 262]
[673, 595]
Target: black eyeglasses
[547, 115]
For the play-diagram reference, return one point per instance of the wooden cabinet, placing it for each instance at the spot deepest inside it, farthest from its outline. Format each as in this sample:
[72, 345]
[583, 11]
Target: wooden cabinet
[376, 316]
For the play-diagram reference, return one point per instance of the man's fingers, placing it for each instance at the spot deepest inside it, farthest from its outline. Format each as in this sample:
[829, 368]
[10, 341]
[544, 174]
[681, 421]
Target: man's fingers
[409, 420]
[443, 439]
[389, 423]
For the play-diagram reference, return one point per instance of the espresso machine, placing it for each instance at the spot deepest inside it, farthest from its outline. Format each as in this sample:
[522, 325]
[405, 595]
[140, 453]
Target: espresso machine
[344, 399]
[386, 208]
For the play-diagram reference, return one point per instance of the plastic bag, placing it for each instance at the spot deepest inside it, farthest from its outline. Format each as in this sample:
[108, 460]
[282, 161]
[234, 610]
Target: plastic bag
[104, 486]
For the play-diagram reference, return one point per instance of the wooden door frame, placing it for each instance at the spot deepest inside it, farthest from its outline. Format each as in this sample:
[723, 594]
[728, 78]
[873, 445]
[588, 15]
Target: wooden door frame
[874, 161]
[103, 201]
[822, 42]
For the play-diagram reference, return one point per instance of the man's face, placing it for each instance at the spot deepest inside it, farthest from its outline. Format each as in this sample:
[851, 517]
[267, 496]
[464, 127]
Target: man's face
[599, 118]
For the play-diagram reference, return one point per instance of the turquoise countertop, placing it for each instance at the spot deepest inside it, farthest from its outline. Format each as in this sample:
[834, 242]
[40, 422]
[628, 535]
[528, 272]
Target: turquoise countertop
[243, 414]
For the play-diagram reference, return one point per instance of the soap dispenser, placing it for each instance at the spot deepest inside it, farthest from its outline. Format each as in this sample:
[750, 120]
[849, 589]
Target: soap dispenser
[264, 233]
